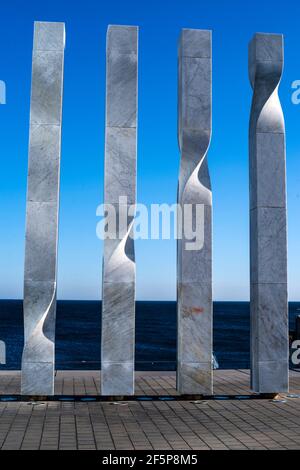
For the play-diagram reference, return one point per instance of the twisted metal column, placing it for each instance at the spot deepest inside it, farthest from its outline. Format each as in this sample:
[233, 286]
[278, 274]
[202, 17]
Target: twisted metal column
[118, 285]
[194, 267]
[268, 237]
[42, 209]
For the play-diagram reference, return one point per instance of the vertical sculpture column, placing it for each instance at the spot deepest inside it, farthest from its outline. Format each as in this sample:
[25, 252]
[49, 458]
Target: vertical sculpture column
[118, 288]
[268, 237]
[42, 209]
[194, 267]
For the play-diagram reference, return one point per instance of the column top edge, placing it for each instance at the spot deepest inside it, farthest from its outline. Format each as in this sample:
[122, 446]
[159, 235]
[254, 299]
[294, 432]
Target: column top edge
[122, 39]
[195, 43]
[49, 36]
[37, 22]
[266, 47]
[122, 26]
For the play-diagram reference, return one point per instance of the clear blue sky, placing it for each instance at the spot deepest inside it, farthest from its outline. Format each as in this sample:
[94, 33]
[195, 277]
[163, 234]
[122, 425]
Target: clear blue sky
[233, 24]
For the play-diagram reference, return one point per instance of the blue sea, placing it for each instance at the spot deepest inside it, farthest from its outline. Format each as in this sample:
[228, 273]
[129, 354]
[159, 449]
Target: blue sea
[78, 328]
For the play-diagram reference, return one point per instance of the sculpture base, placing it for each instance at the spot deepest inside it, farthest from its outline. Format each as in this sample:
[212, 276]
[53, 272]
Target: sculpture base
[194, 379]
[37, 378]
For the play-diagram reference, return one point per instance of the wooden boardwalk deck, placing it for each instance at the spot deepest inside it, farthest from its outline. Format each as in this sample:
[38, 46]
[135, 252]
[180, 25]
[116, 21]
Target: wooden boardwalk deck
[161, 425]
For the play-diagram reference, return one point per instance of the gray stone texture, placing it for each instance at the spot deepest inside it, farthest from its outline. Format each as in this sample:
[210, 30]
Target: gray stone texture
[194, 267]
[118, 281]
[120, 164]
[268, 232]
[42, 209]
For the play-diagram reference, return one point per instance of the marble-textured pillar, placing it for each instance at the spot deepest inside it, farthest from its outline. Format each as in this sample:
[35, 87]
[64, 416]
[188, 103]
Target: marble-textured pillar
[118, 286]
[194, 267]
[268, 236]
[42, 209]
[2, 352]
